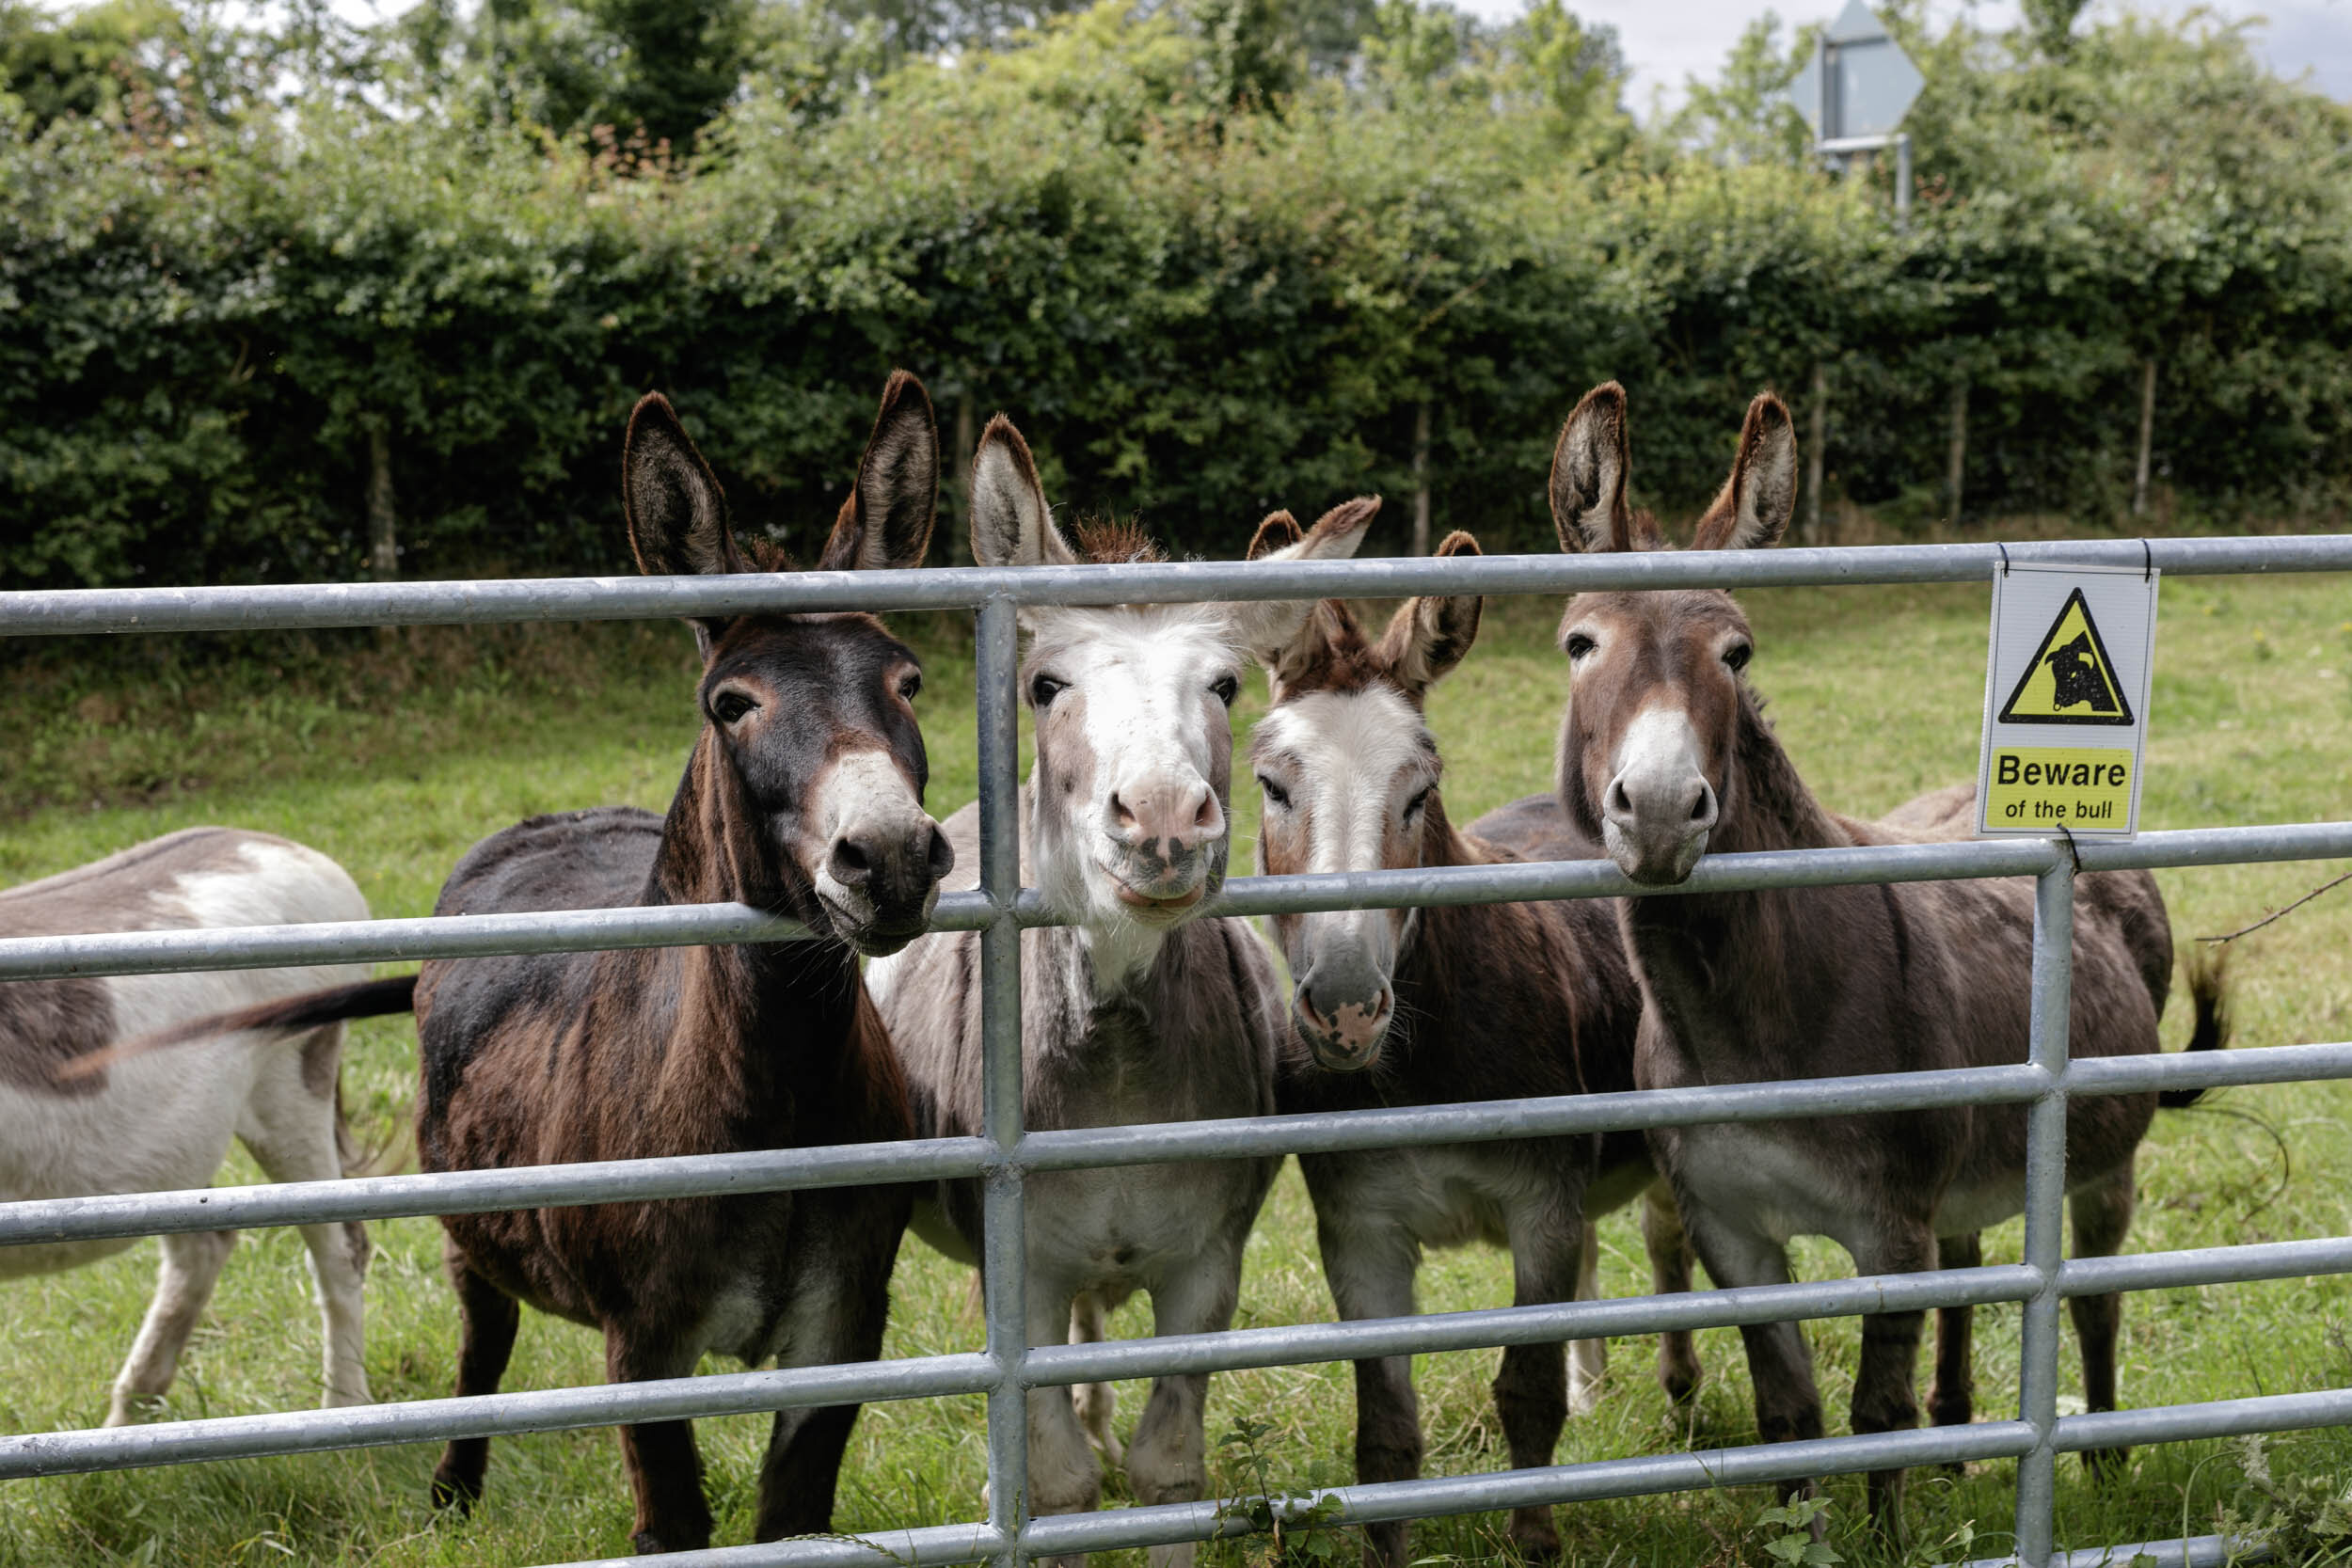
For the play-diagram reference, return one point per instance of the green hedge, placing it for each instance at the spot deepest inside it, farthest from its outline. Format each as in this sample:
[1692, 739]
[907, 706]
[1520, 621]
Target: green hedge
[1197, 304]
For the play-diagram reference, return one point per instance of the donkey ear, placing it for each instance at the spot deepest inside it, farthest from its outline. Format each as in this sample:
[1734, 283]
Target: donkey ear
[1761, 496]
[1263, 628]
[1429, 635]
[1588, 474]
[886, 522]
[1011, 526]
[1329, 630]
[1279, 532]
[677, 516]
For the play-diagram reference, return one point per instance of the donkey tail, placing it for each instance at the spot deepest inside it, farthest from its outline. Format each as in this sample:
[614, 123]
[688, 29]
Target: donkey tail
[313, 1009]
[2209, 992]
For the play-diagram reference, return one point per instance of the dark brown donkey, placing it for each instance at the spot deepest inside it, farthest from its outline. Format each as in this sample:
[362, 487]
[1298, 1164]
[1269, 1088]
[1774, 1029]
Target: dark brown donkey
[802, 797]
[1431, 1007]
[1664, 754]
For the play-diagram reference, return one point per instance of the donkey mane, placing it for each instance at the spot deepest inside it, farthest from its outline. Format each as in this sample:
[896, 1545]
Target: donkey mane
[1108, 541]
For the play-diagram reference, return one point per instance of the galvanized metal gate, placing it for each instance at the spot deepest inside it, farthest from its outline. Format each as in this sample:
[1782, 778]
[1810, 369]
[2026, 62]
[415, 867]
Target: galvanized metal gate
[1005, 1156]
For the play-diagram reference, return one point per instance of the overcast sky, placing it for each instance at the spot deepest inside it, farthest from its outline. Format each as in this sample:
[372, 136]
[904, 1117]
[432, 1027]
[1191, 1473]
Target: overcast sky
[1668, 41]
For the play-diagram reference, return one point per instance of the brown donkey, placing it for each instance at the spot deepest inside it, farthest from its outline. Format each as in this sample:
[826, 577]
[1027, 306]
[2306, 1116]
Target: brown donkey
[1431, 1007]
[803, 797]
[1664, 754]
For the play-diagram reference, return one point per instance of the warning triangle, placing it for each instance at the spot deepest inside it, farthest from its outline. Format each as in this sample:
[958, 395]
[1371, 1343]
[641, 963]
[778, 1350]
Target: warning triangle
[2071, 679]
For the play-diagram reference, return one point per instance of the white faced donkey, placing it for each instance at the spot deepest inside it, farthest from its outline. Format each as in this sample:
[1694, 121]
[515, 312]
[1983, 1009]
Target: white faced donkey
[1134, 1012]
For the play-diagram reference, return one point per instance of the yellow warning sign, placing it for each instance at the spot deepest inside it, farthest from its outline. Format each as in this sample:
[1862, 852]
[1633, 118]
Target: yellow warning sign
[2072, 679]
[2082, 787]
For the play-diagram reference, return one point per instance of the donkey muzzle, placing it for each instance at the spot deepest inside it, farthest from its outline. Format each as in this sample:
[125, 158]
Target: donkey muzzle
[1343, 1011]
[1656, 813]
[880, 889]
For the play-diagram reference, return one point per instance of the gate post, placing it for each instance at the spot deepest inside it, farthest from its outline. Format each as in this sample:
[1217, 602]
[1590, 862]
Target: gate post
[1004, 1252]
[2046, 1205]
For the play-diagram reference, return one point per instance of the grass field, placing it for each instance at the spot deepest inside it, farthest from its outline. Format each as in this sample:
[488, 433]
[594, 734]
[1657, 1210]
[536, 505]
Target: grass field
[394, 753]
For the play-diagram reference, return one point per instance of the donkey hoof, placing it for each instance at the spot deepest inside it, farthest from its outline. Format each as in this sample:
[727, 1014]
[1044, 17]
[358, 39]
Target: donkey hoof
[1534, 1545]
[455, 1492]
[649, 1543]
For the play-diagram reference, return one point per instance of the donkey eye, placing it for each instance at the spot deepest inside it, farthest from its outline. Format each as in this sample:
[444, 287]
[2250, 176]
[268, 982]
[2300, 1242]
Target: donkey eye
[1412, 807]
[909, 685]
[1275, 793]
[1738, 655]
[729, 707]
[1043, 690]
[1578, 645]
[1226, 689]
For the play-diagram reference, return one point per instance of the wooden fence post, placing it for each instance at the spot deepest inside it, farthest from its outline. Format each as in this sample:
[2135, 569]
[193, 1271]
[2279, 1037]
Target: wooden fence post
[1817, 442]
[1956, 459]
[1421, 480]
[383, 521]
[2147, 435]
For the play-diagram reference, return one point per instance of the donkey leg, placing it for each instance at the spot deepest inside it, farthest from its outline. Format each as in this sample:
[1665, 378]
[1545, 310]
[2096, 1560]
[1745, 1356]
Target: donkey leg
[1371, 1269]
[1951, 1403]
[184, 1283]
[1588, 1359]
[1885, 1385]
[1547, 1251]
[2103, 1218]
[290, 1124]
[1670, 1261]
[1097, 1403]
[1780, 1364]
[1168, 1462]
[842, 1248]
[486, 1319]
[665, 1473]
[1064, 1475]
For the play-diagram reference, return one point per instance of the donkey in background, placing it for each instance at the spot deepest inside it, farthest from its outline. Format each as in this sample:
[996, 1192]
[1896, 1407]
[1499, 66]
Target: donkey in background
[1136, 1012]
[1666, 754]
[79, 1125]
[1434, 1006]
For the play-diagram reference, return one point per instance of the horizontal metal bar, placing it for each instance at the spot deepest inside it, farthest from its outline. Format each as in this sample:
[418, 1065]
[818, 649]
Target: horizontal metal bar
[1119, 1360]
[1114, 1528]
[691, 924]
[452, 936]
[2209, 1070]
[2213, 1266]
[1405, 1125]
[34, 1221]
[115, 1215]
[1560, 1483]
[297, 1431]
[40, 612]
[1520, 881]
[2194, 847]
[910, 1548]
[374, 1426]
[2194, 1551]
[2183, 1423]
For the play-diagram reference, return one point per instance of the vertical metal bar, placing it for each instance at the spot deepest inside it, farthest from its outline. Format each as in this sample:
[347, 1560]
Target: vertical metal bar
[2045, 1206]
[1003, 1253]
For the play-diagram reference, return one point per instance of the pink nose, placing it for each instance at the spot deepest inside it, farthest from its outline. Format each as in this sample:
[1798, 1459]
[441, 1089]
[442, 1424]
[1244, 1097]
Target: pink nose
[1345, 1036]
[1167, 821]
